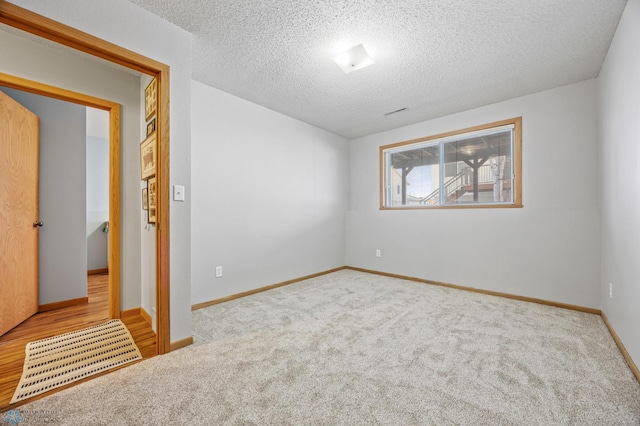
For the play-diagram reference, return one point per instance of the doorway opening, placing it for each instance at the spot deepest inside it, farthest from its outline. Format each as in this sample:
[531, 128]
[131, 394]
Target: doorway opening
[102, 290]
[97, 209]
[113, 111]
[69, 179]
[39, 26]
[97, 191]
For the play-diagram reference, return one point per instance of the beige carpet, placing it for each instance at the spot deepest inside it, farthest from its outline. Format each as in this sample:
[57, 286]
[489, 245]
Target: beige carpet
[351, 348]
[60, 360]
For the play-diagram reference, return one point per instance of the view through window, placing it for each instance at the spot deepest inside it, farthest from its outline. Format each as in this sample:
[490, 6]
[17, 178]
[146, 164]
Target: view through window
[478, 167]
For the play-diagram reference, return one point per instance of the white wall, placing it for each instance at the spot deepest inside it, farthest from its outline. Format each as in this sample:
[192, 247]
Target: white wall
[148, 283]
[97, 201]
[619, 127]
[549, 249]
[130, 26]
[148, 235]
[62, 246]
[269, 196]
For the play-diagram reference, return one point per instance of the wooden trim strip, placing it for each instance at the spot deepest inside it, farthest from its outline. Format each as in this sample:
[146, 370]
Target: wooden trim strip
[261, 289]
[163, 285]
[181, 343]
[517, 160]
[114, 212]
[63, 304]
[130, 313]
[623, 350]
[145, 315]
[458, 206]
[455, 132]
[47, 90]
[135, 313]
[42, 26]
[98, 271]
[488, 292]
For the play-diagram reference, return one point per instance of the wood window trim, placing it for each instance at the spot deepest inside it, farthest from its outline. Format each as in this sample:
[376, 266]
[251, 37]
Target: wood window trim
[517, 162]
[44, 27]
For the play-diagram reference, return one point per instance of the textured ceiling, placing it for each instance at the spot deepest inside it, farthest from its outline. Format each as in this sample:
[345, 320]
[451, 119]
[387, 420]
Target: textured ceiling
[435, 57]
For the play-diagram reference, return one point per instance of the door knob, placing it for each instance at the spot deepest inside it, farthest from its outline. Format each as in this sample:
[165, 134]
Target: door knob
[37, 224]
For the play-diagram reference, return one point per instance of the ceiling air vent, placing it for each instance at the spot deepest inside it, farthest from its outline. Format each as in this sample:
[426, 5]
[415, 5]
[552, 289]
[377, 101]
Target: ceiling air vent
[396, 111]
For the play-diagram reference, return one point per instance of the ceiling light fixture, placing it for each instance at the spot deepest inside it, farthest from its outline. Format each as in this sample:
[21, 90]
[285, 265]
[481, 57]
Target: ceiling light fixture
[353, 59]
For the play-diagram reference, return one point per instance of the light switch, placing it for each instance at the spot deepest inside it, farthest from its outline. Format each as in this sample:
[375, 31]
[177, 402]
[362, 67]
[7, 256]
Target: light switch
[178, 192]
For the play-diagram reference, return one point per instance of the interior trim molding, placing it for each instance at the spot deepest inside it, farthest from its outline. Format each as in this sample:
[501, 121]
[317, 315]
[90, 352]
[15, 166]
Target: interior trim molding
[623, 350]
[144, 314]
[63, 304]
[98, 271]
[489, 292]
[403, 277]
[137, 312]
[41, 26]
[261, 289]
[179, 344]
[516, 163]
[44, 27]
[133, 312]
[113, 109]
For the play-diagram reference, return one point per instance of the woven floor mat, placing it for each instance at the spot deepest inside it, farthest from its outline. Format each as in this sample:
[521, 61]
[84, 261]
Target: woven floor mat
[64, 359]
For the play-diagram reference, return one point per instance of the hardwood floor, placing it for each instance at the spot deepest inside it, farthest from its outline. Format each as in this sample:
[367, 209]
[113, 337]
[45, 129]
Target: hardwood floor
[60, 321]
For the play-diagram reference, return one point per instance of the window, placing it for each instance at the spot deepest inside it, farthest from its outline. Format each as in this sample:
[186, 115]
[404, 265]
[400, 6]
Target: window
[476, 167]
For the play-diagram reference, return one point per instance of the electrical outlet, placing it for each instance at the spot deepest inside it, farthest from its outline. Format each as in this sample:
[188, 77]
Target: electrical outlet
[218, 271]
[377, 253]
[610, 291]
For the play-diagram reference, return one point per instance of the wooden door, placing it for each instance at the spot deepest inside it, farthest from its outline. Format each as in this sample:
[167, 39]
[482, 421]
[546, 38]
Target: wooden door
[19, 145]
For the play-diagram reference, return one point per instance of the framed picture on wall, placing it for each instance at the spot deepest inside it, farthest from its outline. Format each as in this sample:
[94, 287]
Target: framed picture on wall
[152, 199]
[148, 157]
[145, 199]
[150, 99]
[151, 127]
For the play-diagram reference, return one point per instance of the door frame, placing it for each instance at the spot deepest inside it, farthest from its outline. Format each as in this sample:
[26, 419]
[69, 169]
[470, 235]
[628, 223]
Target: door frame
[44, 27]
[7, 80]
